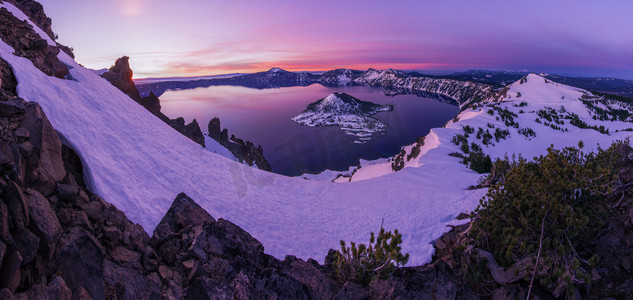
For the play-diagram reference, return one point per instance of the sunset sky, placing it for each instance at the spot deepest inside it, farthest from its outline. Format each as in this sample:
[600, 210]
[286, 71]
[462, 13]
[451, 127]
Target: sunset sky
[205, 37]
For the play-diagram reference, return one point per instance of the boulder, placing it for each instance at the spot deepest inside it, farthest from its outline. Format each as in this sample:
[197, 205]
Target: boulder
[207, 289]
[8, 84]
[6, 294]
[4, 221]
[3, 251]
[55, 290]
[150, 262]
[80, 262]
[60, 69]
[317, 282]
[10, 271]
[27, 243]
[67, 192]
[22, 133]
[126, 258]
[44, 221]
[124, 283]
[351, 290]
[185, 212]
[48, 150]
[111, 233]
[198, 248]
[16, 204]
[235, 241]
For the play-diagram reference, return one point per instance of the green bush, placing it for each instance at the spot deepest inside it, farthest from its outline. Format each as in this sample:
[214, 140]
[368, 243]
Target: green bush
[468, 129]
[362, 264]
[561, 198]
[478, 162]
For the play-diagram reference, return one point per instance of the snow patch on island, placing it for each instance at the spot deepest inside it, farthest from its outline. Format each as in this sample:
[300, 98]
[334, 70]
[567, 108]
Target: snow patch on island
[353, 116]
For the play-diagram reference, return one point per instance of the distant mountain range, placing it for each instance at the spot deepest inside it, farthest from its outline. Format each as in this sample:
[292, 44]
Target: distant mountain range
[462, 87]
[602, 85]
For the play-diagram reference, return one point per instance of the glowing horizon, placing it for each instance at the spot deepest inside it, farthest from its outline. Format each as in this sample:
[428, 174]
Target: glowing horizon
[195, 37]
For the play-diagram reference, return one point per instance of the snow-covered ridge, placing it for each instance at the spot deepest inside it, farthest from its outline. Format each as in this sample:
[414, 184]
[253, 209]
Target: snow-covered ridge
[347, 112]
[464, 92]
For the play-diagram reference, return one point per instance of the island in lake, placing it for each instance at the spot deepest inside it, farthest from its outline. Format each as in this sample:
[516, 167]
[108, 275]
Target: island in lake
[352, 115]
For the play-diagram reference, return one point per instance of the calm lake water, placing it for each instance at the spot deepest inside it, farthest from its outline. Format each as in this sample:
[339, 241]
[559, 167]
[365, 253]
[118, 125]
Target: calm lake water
[264, 118]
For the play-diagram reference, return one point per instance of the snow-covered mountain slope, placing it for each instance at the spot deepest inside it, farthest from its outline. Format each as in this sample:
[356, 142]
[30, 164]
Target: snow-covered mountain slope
[352, 115]
[339, 77]
[533, 114]
[139, 163]
[463, 92]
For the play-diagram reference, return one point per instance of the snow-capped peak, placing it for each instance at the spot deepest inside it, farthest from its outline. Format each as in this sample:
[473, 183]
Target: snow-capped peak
[534, 87]
[276, 69]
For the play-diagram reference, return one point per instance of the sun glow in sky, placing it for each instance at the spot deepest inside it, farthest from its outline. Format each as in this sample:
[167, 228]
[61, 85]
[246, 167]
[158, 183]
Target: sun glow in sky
[204, 37]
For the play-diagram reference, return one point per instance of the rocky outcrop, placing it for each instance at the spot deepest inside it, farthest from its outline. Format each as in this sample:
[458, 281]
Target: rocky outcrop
[120, 75]
[191, 130]
[244, 151]
[28, 44]
[8, 83]
[35, 12]
[152, 103]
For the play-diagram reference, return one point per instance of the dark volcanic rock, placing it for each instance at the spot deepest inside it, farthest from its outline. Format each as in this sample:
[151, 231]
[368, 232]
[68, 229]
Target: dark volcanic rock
[44, 221]
[10, 271]
[28, 44]
[8, 83]
[152, 103]
[80, 262]
[120, 75]
[47, 164]
[27, 244]
[185, 212]
[56, 289]
[35, 12]
[207, 289]
[245, 152]
[12, 107]
[191, 130]
[214, 129]
[125, 283]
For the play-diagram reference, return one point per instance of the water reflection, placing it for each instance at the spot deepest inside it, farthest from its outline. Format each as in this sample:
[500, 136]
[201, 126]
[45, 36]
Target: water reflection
[264, 117]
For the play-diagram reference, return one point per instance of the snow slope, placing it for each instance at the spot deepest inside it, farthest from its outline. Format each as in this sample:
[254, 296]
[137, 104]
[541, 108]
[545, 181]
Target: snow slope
[526, 99]
[137, 162]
